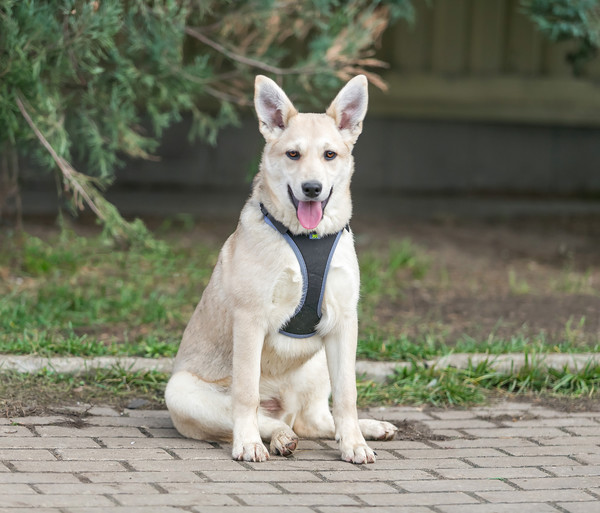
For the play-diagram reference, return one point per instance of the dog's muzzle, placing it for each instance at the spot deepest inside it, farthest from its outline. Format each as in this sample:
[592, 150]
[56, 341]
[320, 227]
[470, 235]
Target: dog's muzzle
[309, 212]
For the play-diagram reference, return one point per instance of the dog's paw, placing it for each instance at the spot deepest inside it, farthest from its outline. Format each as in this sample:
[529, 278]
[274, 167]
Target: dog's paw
[357, 453]
[250, 452]
[284, 442]
[377, 429]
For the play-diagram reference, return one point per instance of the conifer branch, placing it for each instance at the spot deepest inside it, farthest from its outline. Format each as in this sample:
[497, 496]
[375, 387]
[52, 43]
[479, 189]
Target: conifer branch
[248, 61]
[99, 68]
[77, 182]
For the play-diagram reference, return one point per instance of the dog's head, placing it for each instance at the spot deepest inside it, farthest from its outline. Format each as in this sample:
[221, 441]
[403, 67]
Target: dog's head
[307, 162]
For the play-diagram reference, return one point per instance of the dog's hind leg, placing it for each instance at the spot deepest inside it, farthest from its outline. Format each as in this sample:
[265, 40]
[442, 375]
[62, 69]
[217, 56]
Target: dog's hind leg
[283, 440]
[199, 409]
[203, 411]
[274, 426]
[311, 386]
[315, 420]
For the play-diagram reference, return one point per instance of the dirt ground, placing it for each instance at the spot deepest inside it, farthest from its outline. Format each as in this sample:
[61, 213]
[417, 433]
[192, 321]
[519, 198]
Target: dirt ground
[505, 277]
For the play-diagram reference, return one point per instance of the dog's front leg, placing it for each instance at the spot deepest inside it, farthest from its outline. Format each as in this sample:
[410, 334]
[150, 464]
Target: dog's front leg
[340, 347]
[248, 340]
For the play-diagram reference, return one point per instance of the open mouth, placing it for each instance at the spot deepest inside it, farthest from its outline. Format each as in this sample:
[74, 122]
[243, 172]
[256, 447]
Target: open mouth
[309, 213]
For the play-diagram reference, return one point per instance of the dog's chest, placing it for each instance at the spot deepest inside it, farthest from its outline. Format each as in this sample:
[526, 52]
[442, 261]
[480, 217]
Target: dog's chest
[287, 291]
[283, 353]
[290, 285]
[309, 288]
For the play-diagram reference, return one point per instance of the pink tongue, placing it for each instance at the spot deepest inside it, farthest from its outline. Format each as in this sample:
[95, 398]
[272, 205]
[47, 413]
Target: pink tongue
[309, 214]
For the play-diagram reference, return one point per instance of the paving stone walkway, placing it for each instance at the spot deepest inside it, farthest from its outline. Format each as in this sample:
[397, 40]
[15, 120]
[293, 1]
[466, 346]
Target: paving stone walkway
[509, 457]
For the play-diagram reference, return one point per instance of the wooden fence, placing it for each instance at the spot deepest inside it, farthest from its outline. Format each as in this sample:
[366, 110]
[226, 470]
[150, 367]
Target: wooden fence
[483, 60]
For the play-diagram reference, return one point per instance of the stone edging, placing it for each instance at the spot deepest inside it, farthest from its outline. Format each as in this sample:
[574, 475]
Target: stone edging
[510, 362]
[376, 371]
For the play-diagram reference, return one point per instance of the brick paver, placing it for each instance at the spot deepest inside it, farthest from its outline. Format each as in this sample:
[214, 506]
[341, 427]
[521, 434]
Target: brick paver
[507, 458]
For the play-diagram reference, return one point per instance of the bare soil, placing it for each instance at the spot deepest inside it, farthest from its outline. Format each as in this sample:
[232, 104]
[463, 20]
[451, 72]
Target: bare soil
[521, 276]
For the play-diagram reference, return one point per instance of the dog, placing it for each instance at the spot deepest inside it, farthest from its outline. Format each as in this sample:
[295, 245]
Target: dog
[272, 337]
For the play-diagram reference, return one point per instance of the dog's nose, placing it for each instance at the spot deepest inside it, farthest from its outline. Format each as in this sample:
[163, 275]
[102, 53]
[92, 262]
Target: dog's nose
[312, 189]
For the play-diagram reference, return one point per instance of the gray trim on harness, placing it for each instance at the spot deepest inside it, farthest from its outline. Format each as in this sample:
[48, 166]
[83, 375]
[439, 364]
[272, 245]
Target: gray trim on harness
[300, 259]
[335, 243]
[306, 316]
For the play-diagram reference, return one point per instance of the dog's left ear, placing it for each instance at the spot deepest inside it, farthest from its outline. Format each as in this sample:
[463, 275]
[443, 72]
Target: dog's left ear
[349, 108]
[273, 108]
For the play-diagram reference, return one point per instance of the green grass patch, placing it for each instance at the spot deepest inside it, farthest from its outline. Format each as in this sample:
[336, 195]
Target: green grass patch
[419, 384]
[416, 384]
[404, 348]
[83, 296]
[26, 394]
[67, 343]
[382, 271]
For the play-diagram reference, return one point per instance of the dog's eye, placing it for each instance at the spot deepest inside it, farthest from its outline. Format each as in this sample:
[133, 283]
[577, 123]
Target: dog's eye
[293, 154]
[330, 155]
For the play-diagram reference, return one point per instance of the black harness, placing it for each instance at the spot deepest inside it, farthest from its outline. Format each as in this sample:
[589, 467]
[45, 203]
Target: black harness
[314, 255]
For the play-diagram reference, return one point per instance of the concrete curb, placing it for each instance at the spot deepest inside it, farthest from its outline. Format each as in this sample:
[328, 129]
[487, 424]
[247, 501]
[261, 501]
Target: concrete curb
[376, 371]
[74, 364]
[506, 363]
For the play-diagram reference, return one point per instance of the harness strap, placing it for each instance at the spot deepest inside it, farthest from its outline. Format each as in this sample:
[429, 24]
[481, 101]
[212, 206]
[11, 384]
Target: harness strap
[314, 255]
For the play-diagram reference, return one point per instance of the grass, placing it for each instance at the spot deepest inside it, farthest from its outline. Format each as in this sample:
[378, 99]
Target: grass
[419, 384]
[516, 285]
[28, 394]
[405, 348]
[82, 296]
[382, 271]
[572, 282]
[69, 295]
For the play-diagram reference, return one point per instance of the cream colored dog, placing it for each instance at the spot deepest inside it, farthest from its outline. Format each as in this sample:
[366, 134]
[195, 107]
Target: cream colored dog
[237, 376]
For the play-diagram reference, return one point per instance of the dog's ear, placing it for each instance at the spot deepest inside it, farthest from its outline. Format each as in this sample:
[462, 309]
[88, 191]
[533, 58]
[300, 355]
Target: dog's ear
[273, 108]
[349, 107]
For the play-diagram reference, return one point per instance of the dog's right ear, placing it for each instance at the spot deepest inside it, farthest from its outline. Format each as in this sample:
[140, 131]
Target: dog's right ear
[273, 108]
